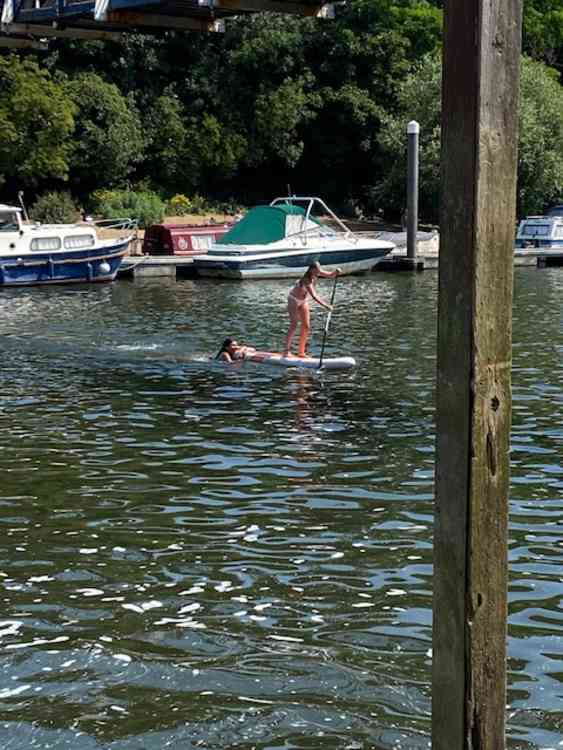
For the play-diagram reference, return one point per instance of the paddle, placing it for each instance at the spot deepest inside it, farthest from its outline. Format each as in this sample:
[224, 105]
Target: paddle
[327, 324]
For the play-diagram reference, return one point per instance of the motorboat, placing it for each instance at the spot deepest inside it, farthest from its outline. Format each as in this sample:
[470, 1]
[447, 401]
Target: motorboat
[33, 253]
[542, 232]
[283, 239]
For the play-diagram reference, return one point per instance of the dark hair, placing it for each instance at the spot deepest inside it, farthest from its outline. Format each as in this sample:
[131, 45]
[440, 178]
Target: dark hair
[224, 346]
[308, 275]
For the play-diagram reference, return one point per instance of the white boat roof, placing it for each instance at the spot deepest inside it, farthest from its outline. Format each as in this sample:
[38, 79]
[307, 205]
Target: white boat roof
[5, 207]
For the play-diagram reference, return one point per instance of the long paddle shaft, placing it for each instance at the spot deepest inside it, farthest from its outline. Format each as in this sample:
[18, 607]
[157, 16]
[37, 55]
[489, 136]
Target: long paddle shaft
[327, 323]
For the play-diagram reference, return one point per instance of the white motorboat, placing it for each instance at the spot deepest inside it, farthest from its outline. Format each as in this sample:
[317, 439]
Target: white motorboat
[542, 232]
[283, 239]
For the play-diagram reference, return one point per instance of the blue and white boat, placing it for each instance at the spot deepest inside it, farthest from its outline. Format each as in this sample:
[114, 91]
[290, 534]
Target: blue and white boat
[283, 239]
[542, 232]
[57, 253]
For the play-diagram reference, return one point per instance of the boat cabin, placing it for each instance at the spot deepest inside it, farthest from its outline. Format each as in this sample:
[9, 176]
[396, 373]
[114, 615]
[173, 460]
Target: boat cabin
[182, 239]
[10, 220]
[541, 232]
[18, 237]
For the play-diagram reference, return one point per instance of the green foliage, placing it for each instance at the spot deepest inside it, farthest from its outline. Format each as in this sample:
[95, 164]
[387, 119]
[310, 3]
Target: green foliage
[181, 205]
[540, 151]
[418, 98]
[543, 31]
[276, 100]
[540, 162]
[166, 136]
[144, 207]
[55, 208]
[280, 116]
[36, 122]
[109, 139]
[213, 148]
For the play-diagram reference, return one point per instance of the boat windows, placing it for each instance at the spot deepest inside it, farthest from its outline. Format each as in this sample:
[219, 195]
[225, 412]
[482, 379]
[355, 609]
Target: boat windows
[536, 230]
[79, 241]
[202, 242]
[9, 221]
[46, 243]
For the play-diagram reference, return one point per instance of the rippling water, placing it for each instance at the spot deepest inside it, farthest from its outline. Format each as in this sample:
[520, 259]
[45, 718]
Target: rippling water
[197, 555]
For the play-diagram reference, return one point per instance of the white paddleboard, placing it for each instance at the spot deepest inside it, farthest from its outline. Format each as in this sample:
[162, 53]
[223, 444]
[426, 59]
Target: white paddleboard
[313, 363]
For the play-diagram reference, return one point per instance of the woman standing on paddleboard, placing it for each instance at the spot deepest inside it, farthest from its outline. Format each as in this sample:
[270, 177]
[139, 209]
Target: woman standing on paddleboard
[298, 306]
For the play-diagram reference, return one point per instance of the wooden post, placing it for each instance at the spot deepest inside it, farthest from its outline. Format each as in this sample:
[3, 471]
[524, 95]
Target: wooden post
[413, 130]
[479, 150]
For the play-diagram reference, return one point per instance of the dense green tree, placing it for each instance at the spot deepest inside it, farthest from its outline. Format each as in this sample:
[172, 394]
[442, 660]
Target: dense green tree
[36, 122]
[108, 136]
[540, 157]
[166, 139]
[543, 31]
[540, 160]
[279, 100]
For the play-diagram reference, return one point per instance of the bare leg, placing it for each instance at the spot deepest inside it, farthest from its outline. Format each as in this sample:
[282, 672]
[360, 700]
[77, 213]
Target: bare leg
[293, 310]
[305, 316]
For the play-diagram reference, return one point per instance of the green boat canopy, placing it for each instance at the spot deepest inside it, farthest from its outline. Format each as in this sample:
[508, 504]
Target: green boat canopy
[265, 224]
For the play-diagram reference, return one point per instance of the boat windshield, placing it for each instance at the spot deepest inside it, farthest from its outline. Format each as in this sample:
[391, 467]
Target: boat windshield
[535, 229]
[9, 221]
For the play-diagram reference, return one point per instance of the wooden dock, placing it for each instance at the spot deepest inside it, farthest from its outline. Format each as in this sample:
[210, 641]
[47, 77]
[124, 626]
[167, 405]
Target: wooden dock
[177, 266]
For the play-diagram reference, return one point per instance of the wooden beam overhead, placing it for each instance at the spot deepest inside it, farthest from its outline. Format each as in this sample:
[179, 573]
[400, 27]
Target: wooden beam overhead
[12, 42]
[44, 31]
[128, 18]
[254, 6]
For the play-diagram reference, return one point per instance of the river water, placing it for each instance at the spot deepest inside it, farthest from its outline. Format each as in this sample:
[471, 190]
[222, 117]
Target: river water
[196, 555]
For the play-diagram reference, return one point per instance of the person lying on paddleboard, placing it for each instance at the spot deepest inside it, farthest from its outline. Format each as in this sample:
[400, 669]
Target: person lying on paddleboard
[298, 306]
[231, 351]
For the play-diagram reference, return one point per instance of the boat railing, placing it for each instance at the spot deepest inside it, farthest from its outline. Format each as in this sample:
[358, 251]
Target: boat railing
[125, 223]
[310, 201]
[303, 234]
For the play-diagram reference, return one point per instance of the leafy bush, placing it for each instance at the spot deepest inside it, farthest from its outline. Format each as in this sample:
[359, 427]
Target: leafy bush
[55, 208]
[179, 205]
[145, 207]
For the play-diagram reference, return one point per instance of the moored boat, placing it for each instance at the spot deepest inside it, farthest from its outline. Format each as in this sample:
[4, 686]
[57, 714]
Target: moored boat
[542, 232]
[58, 253]
[283, 239]
[182, 239]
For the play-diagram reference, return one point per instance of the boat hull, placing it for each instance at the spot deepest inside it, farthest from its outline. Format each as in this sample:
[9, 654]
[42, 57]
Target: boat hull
[289, 264]
[70, 266]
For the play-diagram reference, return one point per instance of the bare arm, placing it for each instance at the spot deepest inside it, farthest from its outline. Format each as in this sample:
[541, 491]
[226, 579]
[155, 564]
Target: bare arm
[329, 274]
[320, 301]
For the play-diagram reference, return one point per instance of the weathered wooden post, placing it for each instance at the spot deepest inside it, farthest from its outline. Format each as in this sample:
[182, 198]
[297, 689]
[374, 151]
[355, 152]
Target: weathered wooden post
[479, 150]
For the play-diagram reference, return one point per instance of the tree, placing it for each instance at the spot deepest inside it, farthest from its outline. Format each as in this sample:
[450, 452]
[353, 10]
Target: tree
[540, 159]
[36, 122]
[542, 37]
[108, 135]
[540, 150]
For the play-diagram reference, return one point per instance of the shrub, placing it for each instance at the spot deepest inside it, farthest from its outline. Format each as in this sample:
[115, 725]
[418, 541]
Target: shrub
[179, 205]
[145, 207]
[55, 208]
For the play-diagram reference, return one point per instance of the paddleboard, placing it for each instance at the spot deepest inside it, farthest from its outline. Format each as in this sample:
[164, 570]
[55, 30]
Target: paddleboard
[276, 359]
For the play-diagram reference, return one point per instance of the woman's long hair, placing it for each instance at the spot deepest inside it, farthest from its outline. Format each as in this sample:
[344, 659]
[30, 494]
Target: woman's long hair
[224, 347]
[308, 275]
